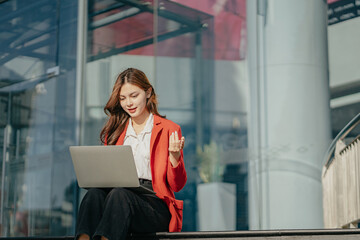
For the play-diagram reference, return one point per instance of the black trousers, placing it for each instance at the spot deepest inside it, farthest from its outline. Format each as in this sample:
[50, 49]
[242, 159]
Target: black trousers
[113, 213]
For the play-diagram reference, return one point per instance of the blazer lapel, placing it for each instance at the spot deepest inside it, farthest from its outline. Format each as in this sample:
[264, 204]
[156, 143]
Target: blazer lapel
[155, 132]
[154, 135]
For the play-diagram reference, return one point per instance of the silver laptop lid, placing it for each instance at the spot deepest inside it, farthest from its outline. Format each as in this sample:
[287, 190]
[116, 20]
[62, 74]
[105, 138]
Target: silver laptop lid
[104, 166]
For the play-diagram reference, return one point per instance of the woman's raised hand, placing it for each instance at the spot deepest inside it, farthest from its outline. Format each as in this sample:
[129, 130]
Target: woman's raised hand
[175, 147]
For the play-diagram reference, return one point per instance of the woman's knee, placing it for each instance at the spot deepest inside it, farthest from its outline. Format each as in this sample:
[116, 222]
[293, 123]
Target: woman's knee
[120, 194]
[95, 193]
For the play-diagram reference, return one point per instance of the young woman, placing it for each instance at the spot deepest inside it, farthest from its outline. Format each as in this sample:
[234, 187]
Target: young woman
[157, 147]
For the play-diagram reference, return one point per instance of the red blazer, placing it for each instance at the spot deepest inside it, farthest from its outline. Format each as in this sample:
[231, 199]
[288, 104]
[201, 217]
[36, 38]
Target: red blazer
[166, 179]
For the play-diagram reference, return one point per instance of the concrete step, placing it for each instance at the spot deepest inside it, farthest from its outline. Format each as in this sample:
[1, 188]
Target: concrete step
[323, 234]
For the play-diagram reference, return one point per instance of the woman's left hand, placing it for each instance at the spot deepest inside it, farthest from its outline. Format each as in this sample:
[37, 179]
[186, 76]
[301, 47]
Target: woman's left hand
[175, 147]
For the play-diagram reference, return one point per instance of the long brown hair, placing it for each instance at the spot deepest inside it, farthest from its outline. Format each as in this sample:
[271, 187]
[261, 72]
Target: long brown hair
[117, 116]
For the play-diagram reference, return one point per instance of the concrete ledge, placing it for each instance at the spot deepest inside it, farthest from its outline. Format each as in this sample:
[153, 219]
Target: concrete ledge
[288, 234]
[323, 234]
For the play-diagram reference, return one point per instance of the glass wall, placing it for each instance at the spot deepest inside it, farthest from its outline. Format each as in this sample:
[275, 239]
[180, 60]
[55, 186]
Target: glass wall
[37, 79]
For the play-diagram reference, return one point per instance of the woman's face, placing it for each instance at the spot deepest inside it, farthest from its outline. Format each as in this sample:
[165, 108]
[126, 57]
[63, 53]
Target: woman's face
[133, 100]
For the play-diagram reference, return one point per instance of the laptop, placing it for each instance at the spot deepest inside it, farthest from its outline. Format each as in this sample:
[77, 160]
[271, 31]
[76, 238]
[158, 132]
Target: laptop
[106, 167]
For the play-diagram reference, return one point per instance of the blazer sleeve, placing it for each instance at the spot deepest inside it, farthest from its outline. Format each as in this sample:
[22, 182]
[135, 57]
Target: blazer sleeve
[176, 176]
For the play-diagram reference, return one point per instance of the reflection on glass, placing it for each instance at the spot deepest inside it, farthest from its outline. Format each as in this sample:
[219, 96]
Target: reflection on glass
[37, 117]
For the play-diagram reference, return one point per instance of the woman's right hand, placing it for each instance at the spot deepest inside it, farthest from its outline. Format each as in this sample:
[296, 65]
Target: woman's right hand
[175, 147]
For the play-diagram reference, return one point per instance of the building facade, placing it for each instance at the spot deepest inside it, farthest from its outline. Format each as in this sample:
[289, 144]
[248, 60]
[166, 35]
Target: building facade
[248, 82]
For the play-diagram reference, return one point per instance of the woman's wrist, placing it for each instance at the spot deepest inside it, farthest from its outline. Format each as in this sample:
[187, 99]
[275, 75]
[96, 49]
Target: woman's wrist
[174, 158]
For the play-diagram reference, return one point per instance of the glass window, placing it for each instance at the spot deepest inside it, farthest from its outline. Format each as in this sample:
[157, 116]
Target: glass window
[37, 78]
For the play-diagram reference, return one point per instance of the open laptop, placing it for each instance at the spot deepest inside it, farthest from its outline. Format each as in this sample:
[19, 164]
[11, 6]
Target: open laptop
[106, 167]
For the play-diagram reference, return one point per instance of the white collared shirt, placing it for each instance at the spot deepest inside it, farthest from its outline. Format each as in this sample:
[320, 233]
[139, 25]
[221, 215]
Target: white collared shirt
[140, 145]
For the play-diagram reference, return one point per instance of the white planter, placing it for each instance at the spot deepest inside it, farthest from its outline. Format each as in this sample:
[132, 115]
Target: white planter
[216, 206]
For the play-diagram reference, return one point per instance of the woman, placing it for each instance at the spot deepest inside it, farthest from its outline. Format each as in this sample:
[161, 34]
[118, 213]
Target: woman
[157, 146]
